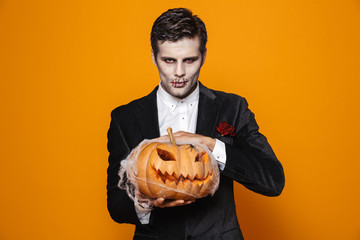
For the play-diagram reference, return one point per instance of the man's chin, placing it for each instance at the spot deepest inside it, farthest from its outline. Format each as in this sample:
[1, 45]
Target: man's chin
[182, 92]
[179, 94]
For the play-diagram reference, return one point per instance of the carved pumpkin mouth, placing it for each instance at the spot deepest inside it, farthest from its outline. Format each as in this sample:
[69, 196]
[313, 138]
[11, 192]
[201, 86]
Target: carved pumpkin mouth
[173, 178]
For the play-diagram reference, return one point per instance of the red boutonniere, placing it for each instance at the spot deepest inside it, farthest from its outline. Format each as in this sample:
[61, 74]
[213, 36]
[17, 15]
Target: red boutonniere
[224, 128]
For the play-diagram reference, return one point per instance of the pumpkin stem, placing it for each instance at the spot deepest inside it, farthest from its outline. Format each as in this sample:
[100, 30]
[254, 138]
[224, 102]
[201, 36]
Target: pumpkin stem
[171, 135]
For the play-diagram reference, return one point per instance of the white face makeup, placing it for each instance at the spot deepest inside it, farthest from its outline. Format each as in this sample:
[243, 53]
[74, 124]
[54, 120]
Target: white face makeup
[179, 65]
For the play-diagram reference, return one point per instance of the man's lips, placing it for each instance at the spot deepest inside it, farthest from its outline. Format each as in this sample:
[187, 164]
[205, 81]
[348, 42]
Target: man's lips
[179, 83]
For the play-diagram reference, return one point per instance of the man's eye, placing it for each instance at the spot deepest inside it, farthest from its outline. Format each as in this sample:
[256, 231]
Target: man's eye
[189, 60]
[169, 61]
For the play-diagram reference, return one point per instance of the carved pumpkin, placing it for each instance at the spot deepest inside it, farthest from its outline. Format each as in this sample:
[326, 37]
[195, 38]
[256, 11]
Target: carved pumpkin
[174, 171]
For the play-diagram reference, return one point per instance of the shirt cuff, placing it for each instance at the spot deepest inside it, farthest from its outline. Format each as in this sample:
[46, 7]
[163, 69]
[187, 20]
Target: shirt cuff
[144, 216]
[219, 153]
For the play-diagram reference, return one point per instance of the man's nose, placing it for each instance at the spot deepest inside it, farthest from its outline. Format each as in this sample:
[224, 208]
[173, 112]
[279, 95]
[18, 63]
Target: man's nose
[180, 69]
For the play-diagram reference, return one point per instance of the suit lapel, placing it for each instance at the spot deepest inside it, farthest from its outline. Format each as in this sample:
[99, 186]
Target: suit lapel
[147, 116]
[209, 107]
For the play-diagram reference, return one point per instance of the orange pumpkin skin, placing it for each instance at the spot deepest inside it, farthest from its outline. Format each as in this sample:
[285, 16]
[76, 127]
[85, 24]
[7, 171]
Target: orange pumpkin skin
[174, 171]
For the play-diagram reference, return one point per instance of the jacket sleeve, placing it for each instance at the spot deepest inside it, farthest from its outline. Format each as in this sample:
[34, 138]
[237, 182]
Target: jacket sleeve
[250, 159]
[120, 206]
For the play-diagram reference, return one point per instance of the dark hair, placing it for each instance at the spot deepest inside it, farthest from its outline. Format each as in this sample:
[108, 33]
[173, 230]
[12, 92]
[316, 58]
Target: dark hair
[176, 24]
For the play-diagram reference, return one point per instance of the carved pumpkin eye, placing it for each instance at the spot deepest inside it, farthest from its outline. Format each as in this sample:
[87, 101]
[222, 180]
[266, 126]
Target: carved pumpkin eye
[200, 157]
[165, 155]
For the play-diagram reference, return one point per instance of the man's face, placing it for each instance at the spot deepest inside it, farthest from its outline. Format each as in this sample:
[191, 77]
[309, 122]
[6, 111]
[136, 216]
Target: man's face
[179, 65]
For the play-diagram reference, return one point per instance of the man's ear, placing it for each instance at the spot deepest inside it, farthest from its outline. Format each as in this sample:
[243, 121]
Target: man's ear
[203, 57]
[153, 58]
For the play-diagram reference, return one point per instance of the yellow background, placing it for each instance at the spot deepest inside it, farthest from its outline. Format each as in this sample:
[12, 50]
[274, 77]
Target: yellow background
[64, 65]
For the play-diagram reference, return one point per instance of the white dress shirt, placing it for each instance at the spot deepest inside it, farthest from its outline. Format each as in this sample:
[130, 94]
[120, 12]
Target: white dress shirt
[180, 115]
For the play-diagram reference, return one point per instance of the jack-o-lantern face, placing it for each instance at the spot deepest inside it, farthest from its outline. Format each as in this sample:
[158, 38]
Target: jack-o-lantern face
[174, 171]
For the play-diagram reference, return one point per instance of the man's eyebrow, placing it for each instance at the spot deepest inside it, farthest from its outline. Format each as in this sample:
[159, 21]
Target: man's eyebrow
[194, 58]
[167, 58]
[191, 58]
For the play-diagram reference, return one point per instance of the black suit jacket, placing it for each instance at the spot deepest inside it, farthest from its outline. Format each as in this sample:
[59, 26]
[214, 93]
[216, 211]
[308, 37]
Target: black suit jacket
[250, 161]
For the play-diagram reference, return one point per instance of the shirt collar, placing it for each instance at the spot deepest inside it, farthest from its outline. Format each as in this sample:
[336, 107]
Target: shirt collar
[172, 102]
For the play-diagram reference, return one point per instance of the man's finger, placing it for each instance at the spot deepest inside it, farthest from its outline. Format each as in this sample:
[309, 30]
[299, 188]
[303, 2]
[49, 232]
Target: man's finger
[175, 203]
[162, 203]
[158, 202]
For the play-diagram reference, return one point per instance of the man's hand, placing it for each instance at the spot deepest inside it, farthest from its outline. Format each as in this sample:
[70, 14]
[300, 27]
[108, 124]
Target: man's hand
[162, 203]
[193, 138]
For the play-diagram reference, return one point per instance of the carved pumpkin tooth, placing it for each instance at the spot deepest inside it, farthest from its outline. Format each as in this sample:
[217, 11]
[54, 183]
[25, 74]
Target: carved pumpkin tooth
[193, 176]
[173, 185]
[169, 168]
[195, 186]
[157, 164]
[188, 185]
[176, 173]
[164, 168]
[204, 188]
[199, 173]
[182, 186]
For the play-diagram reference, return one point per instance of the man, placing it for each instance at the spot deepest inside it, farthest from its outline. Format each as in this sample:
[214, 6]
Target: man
[196, 114]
